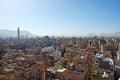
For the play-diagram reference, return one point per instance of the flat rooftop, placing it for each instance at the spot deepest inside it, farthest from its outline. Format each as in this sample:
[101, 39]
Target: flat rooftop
[27, 64]
[61, 70]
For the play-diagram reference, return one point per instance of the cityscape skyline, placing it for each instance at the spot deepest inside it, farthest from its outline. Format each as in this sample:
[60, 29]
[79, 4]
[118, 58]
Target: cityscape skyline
[50, 17]
[59, 39]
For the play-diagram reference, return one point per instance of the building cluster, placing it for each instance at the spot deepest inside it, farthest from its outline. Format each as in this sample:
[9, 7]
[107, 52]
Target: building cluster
[60, 59]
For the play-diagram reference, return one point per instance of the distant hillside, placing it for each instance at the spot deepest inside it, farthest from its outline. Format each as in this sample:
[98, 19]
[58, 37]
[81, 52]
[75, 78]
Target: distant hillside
[115, 34]
[10, 33]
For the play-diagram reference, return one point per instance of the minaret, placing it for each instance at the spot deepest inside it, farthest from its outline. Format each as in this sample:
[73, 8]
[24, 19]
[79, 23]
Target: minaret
[102, 48]
[18, 32]
[26, 36]
[89, 44]
[99, 44]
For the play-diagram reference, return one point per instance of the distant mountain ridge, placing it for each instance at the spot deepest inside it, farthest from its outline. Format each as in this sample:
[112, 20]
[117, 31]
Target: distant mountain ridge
[4, 33]
[11, 33]
[115, 34]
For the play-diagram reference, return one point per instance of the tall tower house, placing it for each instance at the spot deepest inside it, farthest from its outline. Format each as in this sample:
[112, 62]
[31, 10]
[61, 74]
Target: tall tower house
[118, 52]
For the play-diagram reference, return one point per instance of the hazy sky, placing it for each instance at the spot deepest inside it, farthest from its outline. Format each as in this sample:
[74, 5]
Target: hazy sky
[61, 17]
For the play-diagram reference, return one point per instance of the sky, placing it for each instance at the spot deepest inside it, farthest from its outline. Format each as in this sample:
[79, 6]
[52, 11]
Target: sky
[61, 17]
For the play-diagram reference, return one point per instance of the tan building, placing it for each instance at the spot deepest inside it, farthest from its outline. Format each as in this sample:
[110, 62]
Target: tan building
[29, 70]
[79, 69]
[61, 74]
